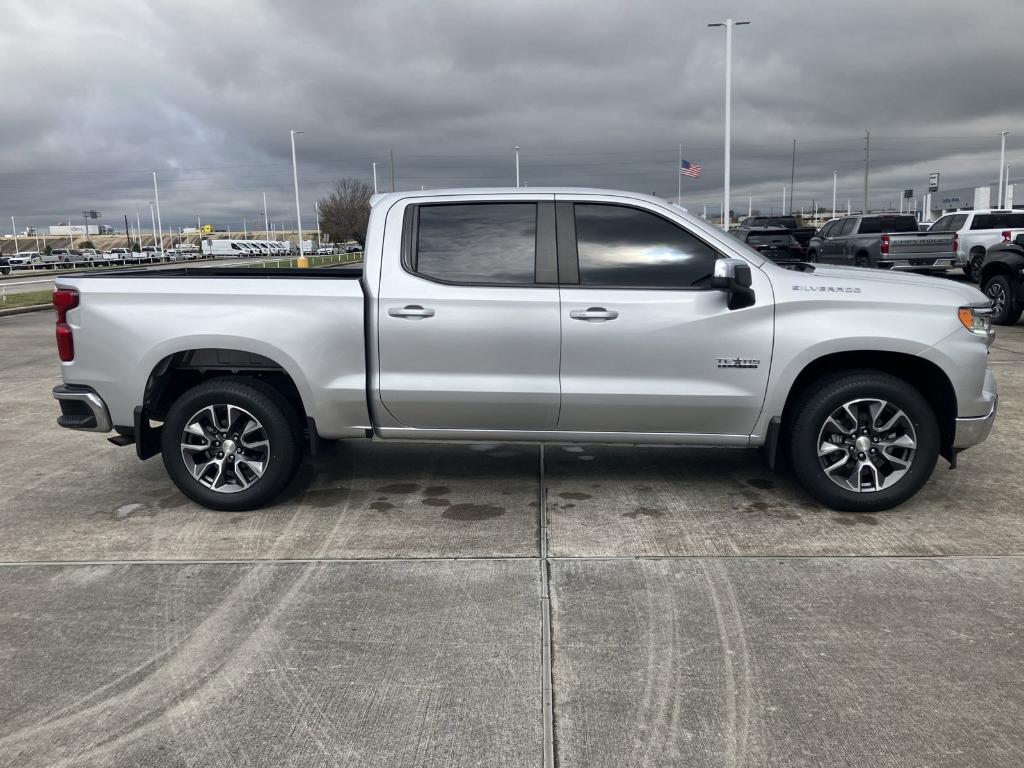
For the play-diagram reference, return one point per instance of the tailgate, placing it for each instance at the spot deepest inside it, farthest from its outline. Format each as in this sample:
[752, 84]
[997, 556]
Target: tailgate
[904, 245]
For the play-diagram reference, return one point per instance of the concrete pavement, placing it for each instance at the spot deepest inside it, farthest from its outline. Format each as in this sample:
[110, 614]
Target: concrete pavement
[389, 611]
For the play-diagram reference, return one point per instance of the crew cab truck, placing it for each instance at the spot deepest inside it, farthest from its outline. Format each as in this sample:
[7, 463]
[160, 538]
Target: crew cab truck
[535, 315]
[976, 231]
[885, 241]
[796, 228]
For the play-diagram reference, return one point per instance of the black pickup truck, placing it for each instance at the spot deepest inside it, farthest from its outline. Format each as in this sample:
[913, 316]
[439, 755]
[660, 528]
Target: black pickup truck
[802, 234]
[1002, 280]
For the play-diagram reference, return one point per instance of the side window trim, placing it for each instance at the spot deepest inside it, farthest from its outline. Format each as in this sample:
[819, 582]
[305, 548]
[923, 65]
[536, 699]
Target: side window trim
[544, 248]
[568, 256]
[574, 252]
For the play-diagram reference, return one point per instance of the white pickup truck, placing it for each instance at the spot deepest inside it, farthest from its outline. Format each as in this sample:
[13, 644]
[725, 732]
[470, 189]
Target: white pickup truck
[976, 232]
[539, 315]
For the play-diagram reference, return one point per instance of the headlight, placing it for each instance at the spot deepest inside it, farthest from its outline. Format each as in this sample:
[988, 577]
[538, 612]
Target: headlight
[977, 320]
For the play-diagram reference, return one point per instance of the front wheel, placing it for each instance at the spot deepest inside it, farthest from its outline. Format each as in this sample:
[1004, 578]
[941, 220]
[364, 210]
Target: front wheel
[1005, 310]
[863, 441]
[231, 443]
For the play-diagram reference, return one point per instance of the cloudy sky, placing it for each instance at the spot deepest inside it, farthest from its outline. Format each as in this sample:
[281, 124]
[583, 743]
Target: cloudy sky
[596, 93]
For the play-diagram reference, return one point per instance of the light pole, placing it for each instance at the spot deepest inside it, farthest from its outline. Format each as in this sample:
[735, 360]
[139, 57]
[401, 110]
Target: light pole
[375, 178]
[14, 231]
[138, 227]
[160, 223]
[266, 218]
[295, 177]
[517, 166]
[728, 24]
[835, 180]
[152, 215]
[1002, 162]
[319, 236]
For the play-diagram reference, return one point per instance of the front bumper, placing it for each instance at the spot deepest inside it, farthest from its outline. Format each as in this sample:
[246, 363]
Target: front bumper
[81, 409]
[971, 431]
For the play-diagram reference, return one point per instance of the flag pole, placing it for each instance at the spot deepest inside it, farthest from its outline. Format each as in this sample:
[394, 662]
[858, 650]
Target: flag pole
[679, 178]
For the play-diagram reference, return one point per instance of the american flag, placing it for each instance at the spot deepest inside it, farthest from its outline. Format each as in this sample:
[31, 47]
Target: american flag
[690, 169]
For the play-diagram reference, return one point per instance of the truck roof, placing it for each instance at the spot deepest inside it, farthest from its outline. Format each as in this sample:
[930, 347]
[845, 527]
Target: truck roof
[512, 191]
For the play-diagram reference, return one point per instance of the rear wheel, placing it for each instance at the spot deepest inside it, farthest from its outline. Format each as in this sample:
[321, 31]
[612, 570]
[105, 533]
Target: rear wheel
[862, 261]
[863, 441]
[1005, 310]
[231, 443]
[973, 269]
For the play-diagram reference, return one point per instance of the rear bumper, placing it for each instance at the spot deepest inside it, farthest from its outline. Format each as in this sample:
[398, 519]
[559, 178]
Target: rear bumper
[81, 409]
[971, 431]
[904, 265]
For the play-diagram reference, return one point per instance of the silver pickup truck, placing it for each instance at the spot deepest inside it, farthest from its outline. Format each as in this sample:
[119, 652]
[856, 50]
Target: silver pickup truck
[539, 315]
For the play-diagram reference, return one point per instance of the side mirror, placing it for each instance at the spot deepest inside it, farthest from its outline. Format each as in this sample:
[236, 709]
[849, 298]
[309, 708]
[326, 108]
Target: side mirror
[732, 276]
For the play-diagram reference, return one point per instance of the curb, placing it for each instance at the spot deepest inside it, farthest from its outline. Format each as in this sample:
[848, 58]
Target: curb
[25, 310]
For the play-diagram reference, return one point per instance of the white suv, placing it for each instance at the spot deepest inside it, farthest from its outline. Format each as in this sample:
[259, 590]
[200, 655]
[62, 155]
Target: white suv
[976, 231]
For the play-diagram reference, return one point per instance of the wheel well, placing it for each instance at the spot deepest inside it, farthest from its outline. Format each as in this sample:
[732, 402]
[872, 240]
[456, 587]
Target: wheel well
[930, 380]
[994, 268]
[862, 255]
[177, 373]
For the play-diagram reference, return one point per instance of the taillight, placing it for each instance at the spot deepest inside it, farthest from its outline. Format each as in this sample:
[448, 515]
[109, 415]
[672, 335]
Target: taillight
[885, 245]
[63, 300]
[1006, 235]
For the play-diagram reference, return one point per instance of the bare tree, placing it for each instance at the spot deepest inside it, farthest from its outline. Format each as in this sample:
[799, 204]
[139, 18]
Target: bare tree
[345, 212]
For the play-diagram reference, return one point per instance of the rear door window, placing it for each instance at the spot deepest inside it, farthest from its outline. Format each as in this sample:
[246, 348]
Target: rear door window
[984, 221]
[477, 243]
[847, 227]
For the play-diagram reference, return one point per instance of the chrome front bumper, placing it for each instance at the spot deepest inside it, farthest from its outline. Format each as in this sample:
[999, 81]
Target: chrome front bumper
[971, 431]
[82, 409]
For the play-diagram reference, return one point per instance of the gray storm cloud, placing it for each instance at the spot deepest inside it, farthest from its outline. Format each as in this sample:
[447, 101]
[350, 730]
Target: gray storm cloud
[595, 93]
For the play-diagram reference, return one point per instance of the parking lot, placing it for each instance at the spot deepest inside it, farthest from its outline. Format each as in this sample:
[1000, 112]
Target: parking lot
[392, 609]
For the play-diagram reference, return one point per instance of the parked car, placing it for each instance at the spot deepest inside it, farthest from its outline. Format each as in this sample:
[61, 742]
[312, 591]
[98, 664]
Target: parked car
[5, 265]
[530, 315]
[149, 252]
[67, 256]
[777, 244]
[120, 254]
[29, 258]
[885, 241]
[353, 248]
[802, 234]
[1002, 280]
[92, 255]
[975, 232]
[325, 250]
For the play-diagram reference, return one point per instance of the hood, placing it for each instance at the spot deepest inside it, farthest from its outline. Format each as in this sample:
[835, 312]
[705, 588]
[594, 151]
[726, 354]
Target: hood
[944, 289]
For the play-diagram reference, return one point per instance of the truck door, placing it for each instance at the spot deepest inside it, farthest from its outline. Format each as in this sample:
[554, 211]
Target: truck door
[647, 345]
[468, 316]
[839, 245]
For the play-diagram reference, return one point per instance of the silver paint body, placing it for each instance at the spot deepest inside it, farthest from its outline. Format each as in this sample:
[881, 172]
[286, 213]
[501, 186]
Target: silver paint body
[512, 363]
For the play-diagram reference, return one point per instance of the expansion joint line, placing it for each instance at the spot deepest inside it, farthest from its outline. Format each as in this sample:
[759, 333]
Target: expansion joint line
[547, 682]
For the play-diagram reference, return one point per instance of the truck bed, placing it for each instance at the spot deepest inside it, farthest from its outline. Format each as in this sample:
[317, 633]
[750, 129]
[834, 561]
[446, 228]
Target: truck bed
[340, 273]
[308, 322]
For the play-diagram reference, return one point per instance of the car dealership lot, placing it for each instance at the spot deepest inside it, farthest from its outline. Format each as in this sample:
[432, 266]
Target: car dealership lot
[389, 611]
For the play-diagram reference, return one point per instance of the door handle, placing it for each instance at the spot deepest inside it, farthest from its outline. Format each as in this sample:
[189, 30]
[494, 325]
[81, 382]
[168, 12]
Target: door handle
[411, 310]
[594, 314]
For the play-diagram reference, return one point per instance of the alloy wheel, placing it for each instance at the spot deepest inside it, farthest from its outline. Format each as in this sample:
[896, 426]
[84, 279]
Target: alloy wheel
[225, 448]
[866, 445]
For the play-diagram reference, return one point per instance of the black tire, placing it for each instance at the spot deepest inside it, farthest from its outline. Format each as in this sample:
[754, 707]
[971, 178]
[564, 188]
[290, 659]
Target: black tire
[862, 261]
[812, 255]
[973, 268]
[1006, 310]
[830, 393]
[279, 421]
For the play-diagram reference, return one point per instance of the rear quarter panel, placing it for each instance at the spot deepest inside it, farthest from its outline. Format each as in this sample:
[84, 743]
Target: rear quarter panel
[312, 328]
